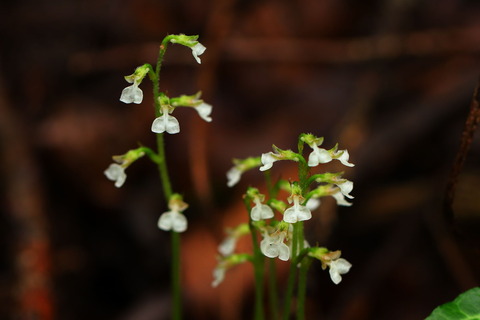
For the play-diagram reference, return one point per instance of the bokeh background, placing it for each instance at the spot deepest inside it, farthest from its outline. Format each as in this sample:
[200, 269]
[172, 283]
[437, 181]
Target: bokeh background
[391, 81]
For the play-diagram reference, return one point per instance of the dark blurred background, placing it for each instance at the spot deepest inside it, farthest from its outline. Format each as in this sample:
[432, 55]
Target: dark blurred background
[391, 81]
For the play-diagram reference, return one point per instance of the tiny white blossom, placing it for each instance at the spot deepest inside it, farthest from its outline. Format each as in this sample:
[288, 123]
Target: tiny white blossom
[198, 50]
[227, 247]
[132, 94]
[204, 110]
[166, 123]
[233, 176]
[267, 160]
[343, 156]
[346, 187]
[340, 198]
[272, 246]
[116, 172]
[218, 275]
[172, 220]
[260, 211]
[297, 212]
[318, 155]
[337, 268]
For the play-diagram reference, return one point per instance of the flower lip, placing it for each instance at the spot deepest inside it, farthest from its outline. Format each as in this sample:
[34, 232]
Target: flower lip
[166, 123]
[132, 94]
[197, 50]
[116, 172]
[172, 220]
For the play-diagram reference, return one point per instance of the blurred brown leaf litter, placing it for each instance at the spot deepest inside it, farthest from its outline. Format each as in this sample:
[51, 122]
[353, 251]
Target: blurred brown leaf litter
[391, 81]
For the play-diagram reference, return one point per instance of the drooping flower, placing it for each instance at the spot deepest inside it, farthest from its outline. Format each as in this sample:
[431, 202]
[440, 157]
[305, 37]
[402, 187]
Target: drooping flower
[174, 219]
[233, 176]
[197, 50]
[272, 245]
[346, 187]
[219, 274]
[267, 160]
[340, 198]
[116, 172]
[204, 110]
[133, 94]
[297, 212]
[318, 155]
[225, 263]
[166, 122]
[260, 211]
[332, 260]
[343, 157]
[240, 166]
[227, 246]
[337, 268]
[191, 42]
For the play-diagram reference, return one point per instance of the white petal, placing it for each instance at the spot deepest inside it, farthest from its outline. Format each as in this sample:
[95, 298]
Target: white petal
[335, 276]
[165, 221]
[261, 212]
[338, 267]
[290, 215]
[342, 265]
[303, 213]
[233, 176]
[116, 173]
[283, 252]
[297, 213]
[346, 187]
[218, 276]
[179, 222]
[198, 50]
[166, 123]
[317, 156]
[172, 125]
[344, 159]
[204, 110]
[132, 94]
[340, 198]
[227, 247]
[313, 203]
[267, 160]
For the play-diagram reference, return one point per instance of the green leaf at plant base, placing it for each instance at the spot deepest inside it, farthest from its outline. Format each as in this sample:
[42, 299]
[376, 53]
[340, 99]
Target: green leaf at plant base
[465, 307]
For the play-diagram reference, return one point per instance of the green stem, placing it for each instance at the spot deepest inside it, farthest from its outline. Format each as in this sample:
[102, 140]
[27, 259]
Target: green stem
[302, 288]
[176, 293]
[167, 190]
[292, 274]
[258, 267]
[273, 290]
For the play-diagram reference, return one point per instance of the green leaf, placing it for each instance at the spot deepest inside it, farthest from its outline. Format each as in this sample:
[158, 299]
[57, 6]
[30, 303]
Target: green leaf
[465, 307]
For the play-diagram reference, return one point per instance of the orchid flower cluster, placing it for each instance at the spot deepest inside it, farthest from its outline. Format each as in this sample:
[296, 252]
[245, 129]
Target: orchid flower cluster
[276, 221]
[164, 122]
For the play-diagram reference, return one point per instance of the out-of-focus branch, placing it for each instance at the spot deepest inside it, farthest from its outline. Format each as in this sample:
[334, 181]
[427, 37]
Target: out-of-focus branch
[469, 129]
[26, 211]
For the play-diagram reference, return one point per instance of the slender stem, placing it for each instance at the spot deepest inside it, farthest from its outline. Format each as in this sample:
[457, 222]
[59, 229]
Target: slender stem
[176, 292]
[258, 267]
[302, 288]
[167, 191]
[292, 274]
[273, 290]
